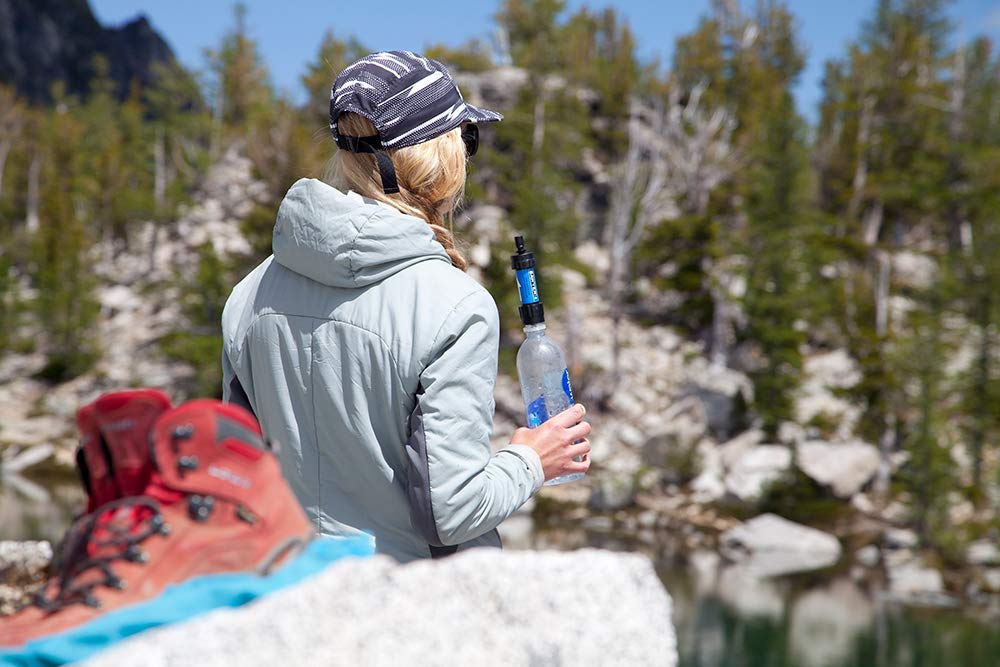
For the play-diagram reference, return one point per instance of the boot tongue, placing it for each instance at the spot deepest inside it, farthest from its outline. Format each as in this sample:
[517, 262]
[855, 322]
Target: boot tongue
[125, 419]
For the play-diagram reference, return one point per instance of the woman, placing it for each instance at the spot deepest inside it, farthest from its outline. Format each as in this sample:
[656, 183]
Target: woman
[363, 347]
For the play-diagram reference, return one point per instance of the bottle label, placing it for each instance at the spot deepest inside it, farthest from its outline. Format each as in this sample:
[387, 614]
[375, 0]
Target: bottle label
[527, 286]
[537, 412]
[567, 388]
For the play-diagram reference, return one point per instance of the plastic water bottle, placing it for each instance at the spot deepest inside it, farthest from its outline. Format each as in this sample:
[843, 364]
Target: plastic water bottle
[541, 366]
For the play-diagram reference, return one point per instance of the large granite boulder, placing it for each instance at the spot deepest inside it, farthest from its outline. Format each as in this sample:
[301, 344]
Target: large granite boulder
[476, 608]
[844, 467]
[769, 545]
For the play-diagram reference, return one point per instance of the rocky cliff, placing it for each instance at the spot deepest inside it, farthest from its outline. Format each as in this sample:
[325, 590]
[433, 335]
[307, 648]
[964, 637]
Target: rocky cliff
[44, 41]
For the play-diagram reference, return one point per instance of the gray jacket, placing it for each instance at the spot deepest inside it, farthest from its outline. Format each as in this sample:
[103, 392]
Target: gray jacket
[371, 360]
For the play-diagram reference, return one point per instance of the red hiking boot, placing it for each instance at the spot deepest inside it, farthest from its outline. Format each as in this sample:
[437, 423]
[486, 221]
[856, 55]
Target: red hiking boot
[114, 458]
[216, 502]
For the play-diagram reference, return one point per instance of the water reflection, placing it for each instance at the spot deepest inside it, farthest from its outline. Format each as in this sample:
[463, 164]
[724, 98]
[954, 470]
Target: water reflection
[37, 510]
[724, 617]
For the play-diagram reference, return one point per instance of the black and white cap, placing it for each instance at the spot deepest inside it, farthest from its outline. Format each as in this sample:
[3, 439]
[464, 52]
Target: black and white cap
[407, 97]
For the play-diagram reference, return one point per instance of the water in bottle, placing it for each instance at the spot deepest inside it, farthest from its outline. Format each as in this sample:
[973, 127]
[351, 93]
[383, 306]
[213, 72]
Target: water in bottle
[541, 366]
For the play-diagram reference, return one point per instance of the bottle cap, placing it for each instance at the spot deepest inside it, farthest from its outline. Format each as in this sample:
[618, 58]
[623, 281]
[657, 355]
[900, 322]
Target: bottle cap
[532, 313]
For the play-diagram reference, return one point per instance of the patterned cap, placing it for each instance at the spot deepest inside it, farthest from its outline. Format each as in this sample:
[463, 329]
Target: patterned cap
[408, 98]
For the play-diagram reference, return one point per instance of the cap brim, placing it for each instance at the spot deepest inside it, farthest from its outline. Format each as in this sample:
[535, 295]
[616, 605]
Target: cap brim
[477, 115]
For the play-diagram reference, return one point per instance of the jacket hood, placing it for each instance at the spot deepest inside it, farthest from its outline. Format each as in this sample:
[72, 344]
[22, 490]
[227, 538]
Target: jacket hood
[343, 240]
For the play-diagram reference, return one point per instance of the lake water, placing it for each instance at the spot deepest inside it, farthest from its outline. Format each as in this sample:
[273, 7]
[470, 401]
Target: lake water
[722, 618]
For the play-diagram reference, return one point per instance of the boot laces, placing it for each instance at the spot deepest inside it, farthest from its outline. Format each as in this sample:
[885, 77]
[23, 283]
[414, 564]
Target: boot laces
[111, 533]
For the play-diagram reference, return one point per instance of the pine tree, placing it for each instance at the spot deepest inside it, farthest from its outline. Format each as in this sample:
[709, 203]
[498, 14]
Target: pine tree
[241, 89]
[882, 159]
[979, 148]
[333, 56]
[65, 307]
[777, 211]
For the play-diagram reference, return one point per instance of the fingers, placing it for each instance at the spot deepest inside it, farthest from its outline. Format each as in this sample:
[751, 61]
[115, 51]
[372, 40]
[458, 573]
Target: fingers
[577, 466]
[569, 417]
[579, 449]
[578, 432]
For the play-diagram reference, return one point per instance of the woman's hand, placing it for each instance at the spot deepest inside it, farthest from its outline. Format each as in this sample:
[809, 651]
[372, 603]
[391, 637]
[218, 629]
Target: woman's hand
[558, 441]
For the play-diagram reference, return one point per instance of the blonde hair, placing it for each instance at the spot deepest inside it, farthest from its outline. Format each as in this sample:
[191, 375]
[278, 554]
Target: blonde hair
[431, 178]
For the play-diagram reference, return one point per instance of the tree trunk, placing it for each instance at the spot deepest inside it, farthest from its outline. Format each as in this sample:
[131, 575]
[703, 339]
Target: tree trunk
[538, 133]
[31, 221]
[977, 438]
[4, 152]
[956, 110]
[882, 293]
[886, 445]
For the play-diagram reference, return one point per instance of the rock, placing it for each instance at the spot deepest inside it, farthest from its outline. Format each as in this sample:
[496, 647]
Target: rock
[598, 524]
[912, 269]
[769, 545]
[983, 552]
[844, 467]
[825, 624]
[707, 487]
[862, 503]
[815, 398]
[630, 435]
[868, 555]
[517, 530]
[23, 568]
[683, 427]
[482, 607]
[900, 538]
[611, 492]
[960, 512]
[731, 450]
[991, 579]
[915, 582]
[31, 456]
[24, 561]
[790, 433]
[722, 391]
[595, 256]
[756, 469]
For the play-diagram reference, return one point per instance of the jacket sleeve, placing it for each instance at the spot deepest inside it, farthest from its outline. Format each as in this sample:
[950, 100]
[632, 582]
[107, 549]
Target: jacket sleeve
[457, 489]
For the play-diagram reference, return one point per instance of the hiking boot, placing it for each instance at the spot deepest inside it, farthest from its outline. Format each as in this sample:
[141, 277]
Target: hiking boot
[216, 502]
[113, 457]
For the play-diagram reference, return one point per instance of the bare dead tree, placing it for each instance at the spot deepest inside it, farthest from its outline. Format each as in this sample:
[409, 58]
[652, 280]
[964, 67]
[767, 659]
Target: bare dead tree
[680, 154]
[13, 117]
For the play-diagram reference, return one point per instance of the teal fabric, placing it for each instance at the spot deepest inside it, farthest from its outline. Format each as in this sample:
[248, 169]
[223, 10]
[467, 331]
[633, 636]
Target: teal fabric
[177, 603]
[372, 361]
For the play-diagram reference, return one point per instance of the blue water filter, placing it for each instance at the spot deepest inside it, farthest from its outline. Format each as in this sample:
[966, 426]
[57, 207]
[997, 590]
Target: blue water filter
[541, 365]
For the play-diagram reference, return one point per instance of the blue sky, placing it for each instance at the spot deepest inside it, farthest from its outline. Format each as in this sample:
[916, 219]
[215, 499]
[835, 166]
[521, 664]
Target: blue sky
[289, 32]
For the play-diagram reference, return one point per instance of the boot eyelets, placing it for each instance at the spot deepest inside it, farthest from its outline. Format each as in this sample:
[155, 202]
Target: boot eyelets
[136, 555]
[186, 464]
[159, 526]
[200, 507]
[183, 431]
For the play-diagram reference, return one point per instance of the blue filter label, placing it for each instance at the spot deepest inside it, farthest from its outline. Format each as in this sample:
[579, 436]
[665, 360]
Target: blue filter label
[537, 412]
[567, 389]
[527, 285]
